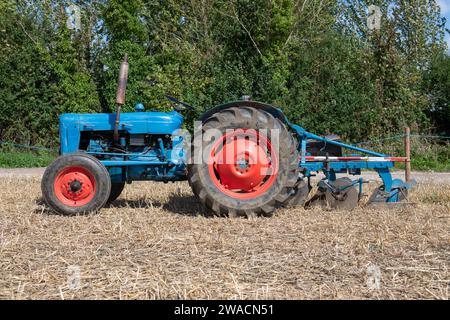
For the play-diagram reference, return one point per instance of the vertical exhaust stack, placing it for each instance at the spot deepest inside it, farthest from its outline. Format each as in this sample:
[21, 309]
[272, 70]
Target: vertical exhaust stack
[120, 98]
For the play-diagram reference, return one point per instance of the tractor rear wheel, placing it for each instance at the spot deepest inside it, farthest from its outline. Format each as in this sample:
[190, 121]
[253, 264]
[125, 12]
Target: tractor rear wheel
[116, 190]
[76, 184]
[250, 167]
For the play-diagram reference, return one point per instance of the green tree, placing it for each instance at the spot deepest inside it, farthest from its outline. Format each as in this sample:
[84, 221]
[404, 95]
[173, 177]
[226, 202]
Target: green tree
[397, 54]
[437, 84]
[317, 60]
[45, 71]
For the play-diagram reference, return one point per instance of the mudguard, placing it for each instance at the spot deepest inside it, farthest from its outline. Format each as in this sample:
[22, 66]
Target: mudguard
[274, 111]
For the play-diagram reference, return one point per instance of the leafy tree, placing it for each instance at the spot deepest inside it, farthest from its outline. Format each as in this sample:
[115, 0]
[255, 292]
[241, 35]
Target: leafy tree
[44, 71]
[317, 60]
[437, 84]
[397, 55]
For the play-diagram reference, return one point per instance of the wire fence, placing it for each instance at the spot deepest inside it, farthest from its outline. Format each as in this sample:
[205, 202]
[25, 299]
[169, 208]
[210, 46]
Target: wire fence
[26, 146]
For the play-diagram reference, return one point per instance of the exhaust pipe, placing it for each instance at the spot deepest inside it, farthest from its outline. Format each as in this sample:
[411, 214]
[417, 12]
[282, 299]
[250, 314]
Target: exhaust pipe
[120, 97]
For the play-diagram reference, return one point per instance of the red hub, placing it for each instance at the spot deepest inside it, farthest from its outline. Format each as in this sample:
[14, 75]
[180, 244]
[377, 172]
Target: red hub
[242, 164]
[74, 186]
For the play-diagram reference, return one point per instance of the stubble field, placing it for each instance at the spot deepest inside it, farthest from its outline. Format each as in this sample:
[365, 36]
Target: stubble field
[155, 243]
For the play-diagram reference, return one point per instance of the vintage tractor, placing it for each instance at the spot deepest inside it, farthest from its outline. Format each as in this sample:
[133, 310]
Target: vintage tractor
[257, 161]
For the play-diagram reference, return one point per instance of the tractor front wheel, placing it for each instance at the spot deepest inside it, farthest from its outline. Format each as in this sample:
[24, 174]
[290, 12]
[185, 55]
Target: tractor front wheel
[76, 184]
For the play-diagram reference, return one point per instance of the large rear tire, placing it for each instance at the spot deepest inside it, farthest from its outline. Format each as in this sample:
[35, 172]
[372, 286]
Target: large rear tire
[263, 169]
[76, 184]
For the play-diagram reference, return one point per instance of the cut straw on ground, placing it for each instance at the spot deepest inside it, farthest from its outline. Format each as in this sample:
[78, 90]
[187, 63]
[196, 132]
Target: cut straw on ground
[155, 243]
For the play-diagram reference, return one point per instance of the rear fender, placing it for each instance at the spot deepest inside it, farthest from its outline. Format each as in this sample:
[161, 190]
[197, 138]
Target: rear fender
[277, 113]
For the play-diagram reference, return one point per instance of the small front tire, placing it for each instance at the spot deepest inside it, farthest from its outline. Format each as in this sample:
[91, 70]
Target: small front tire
[76, 184]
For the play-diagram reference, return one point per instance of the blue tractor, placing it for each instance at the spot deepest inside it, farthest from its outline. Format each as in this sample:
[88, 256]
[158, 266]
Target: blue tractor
[256, 162]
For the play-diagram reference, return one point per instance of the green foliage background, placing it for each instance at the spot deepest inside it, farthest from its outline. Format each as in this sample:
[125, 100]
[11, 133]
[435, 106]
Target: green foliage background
[316, 60]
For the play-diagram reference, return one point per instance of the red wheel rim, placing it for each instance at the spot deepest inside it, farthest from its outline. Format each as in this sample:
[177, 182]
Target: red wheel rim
[74, 186]
[242, 164]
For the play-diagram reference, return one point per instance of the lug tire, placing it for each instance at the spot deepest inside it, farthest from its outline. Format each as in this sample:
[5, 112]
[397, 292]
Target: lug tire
[261, 204]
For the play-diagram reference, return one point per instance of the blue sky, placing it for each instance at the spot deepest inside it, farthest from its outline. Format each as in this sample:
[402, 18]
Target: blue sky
[445, 11]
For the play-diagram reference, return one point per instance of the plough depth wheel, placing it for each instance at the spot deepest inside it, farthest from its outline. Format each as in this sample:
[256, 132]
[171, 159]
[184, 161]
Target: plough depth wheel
[344, 196]
[299, 195]
[339, 195]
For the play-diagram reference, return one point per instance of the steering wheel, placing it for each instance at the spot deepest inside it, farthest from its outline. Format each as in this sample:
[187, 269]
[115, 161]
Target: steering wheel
[177, 103]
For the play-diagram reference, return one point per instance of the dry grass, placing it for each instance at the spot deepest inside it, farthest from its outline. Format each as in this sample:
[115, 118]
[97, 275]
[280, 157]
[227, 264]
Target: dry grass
[155, 245]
